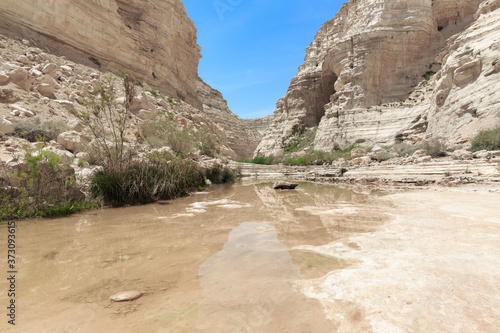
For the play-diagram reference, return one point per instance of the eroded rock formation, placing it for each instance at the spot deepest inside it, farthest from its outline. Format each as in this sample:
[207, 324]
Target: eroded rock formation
[154, 40]
[260, 124]
[27, 71]
[368, 76]
[241, 137]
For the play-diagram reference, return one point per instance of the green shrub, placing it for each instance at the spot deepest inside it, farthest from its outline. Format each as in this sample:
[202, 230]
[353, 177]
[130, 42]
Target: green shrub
[154, 92]
[44, 186]
[206, 143]
[487, 140]
[259, 160]
[403, 149]
[428, 75]
[34, 129]
[219, 175]
[165, 131]
[435, 148]
[383, 156]
[108, 121]
[296, 161]
[299, 139]
[157, 178]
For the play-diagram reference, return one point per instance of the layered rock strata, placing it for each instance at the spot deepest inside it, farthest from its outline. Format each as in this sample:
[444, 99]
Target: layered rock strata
[27, 73]
[154, 40]
[260, 124]
[384, 71]
[241, 137]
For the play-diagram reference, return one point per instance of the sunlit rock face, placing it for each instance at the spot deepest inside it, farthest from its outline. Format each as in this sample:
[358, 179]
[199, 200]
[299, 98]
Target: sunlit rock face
[154, 40]
[242, 138]
[384, 70]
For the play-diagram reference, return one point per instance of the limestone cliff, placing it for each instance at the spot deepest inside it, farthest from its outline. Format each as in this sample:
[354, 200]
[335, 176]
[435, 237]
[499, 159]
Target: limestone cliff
[154, 40]
[368, 75]
[260, 124]
[39, 89]
[241, 137]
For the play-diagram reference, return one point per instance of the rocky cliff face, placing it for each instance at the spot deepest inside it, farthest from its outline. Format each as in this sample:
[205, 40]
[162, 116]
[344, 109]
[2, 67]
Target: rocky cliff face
[40, 92]
[241, 137]
[154, 40]
[386, 70]
[260, 124]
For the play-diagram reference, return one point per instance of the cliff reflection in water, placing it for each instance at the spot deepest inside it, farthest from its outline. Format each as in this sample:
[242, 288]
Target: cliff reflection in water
[225, 260]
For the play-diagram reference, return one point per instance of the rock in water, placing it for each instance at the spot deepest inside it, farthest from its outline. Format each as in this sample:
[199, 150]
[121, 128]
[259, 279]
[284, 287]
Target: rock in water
[125, 296]
[284, 186]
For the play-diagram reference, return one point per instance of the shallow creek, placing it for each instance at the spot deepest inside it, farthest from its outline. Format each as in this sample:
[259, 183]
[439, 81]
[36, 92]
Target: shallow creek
[226, 260]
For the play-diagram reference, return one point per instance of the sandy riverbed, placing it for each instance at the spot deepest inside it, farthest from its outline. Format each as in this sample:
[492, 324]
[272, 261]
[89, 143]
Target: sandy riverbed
[434, 268]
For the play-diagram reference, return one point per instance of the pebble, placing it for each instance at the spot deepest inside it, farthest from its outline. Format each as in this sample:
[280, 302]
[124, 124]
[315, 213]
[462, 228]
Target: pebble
[125, 296]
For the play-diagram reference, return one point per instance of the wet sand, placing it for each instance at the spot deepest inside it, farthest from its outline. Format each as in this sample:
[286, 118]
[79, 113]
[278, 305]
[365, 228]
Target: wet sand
[434, 268]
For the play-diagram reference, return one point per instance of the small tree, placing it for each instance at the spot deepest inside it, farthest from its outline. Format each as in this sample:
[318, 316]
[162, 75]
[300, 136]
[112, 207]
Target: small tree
[107, 120]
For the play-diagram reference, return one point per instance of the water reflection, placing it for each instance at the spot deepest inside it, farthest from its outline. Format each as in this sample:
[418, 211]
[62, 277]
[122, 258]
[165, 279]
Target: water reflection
[202, 265]
[247, 287]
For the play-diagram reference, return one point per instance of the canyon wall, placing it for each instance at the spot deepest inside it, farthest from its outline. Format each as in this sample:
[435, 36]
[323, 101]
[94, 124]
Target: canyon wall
[241, 137]
[383, 71]
[154, 40]
[260, 124]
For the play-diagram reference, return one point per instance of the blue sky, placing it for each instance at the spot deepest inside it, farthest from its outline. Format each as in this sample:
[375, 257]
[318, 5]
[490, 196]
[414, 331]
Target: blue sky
[252, 48]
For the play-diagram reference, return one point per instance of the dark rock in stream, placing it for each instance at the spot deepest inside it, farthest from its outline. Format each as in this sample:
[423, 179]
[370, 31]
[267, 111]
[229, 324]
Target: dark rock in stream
[284, 186]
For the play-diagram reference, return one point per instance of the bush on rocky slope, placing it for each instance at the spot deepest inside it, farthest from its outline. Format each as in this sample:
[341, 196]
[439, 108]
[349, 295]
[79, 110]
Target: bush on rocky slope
[487, 140]
[159, 177]
[43, 185]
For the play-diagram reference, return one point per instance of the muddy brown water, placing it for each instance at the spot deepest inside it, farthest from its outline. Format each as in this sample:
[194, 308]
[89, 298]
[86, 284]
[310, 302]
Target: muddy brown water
[221, 261]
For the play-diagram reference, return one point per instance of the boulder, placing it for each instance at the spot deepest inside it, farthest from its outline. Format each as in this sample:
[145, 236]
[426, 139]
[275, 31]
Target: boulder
[426, 158]
[145, 114]
[23, 60]
[42, 57]
[19, 111]
[46, 90]
[481, 154]
[73, 141]
[358, 152]
[363, 160]
[419, 153]
[284, 186]
[6, 127]
[462, 154]
[142, 101]
[83, 156]
[49, 69]
[21, 78]
[35, 72]
[75, 125]
[4, 79]
[83, 175]
[7, 95]
[377, 148]
[66, 69]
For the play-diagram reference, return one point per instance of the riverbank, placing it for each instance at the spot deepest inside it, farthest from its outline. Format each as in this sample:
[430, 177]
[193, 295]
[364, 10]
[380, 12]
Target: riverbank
[396, 172]
[434, 268]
